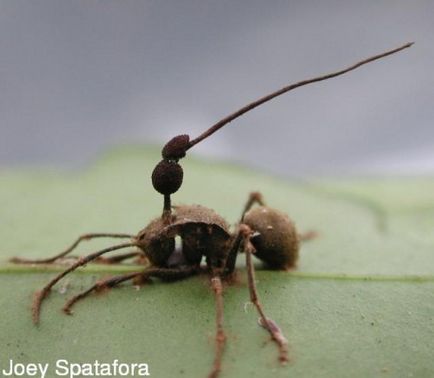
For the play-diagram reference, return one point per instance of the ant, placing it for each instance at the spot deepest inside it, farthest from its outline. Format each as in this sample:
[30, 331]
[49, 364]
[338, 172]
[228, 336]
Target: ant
[261, 231]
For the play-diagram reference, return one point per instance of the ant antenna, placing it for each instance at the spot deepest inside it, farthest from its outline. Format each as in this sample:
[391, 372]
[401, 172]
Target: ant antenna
[167, 175]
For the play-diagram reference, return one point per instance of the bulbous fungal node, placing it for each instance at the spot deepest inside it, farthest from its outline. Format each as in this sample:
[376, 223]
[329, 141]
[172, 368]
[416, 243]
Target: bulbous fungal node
[176, 148]
[167, 177]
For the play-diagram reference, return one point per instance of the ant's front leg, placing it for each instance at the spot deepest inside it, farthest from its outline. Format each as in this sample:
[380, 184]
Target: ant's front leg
[41, 295]
[19, 260]
[119, 258]
[109, 283]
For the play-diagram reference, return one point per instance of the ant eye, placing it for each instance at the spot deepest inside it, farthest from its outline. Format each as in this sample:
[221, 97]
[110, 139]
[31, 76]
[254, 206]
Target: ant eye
[167, 177]
[176, 148]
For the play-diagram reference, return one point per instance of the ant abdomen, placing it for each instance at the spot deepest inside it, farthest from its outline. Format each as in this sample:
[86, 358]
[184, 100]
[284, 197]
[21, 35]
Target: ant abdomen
[275, 237]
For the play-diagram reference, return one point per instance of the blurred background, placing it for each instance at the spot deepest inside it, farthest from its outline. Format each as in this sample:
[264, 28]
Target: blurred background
[78, 77]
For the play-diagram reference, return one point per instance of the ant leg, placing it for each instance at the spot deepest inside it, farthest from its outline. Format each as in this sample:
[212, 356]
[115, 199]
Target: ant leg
[117, 259]
[107, 283]
[233, 254]
[220, 337]
[307, 236]
[49, 260]
[254, 197]
[269, 324]
[41, 295]
[116, 280]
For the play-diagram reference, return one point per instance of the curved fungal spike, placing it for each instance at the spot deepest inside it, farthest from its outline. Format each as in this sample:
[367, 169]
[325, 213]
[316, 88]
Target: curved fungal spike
[288, 88]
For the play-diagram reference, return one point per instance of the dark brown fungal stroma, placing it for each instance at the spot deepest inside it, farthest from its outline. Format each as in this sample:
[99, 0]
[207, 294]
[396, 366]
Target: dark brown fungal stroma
[267, 233]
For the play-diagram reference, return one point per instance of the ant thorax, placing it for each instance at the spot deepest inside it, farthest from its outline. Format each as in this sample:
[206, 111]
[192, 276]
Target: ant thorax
[201, 233]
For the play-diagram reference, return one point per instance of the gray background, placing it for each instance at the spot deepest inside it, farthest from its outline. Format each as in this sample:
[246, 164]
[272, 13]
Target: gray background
[79, 76]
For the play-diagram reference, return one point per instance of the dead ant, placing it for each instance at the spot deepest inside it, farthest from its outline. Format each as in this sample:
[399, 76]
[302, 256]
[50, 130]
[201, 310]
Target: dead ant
[261, 231]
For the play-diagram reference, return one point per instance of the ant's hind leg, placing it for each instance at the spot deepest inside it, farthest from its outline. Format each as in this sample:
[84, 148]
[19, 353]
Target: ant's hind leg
[257, 198]
[254, 197]
[74, 245]
[308, 236]
[269, 324]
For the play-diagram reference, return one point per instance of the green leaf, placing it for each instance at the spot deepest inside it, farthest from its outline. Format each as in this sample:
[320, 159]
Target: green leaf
[360, 303]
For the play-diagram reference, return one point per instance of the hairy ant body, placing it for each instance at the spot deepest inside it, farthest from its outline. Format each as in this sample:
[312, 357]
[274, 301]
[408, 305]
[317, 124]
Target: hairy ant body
[262, 231]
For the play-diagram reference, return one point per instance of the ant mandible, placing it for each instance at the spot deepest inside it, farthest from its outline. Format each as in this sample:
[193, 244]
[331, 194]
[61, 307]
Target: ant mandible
[261, 231]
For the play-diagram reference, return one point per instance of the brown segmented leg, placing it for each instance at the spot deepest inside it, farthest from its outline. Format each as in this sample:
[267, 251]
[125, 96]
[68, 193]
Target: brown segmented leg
[117, 259]
[41, 295]
[308, 235]
[220, 337]
[19, 260]
[269, 324]
[164, 273]
[254, 197]
[107, 283]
